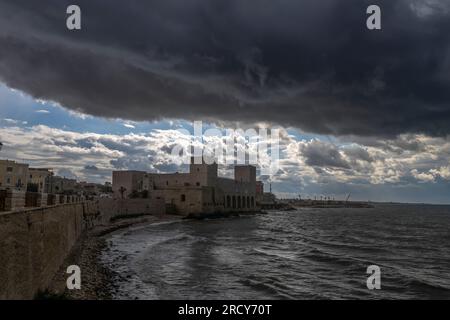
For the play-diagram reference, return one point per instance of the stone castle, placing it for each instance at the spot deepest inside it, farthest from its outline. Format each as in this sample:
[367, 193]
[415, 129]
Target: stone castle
[200, 191]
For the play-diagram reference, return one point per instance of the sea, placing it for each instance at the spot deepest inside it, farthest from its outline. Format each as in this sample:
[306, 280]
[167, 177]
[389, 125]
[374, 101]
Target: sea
[309, 253]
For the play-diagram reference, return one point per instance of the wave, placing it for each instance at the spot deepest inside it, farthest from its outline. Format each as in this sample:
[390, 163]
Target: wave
[276, 253]
[152, 224]
[272, 288]
[287, 256]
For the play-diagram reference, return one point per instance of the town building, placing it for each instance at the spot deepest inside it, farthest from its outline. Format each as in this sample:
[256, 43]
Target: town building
[91, 189]
[39, 179]
[127, 182]
[199, 191]
[13, 175]
[62, 185]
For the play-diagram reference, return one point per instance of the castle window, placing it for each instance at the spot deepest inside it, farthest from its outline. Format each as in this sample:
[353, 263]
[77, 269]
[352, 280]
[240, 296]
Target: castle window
[183, 198]
[197, 184]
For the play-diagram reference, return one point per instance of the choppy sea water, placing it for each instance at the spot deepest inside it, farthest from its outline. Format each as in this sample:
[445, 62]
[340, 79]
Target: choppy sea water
[304, 254]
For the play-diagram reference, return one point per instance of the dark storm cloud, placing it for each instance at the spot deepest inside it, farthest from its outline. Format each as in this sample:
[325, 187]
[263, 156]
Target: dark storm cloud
[308, 64]
[323, 154]
[358, 153]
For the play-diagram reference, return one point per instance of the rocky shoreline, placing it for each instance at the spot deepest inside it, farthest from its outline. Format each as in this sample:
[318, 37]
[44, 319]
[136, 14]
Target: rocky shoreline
[96, 279]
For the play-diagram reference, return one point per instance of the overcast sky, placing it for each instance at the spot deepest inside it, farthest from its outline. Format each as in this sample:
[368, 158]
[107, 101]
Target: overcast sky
[361, 111]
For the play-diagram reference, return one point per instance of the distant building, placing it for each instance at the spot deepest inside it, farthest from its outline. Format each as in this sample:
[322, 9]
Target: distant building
[268, 199]
[39, 179]
[19, 176]
[62, 185]
[127, 182]
[259, 191]
[13, 175]
[259, 187]
[106, 189]
[89, 188]
[199, 191]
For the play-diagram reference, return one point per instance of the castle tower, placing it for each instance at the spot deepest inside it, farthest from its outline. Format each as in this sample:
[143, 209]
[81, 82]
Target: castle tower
[203, 173]
[245, 173]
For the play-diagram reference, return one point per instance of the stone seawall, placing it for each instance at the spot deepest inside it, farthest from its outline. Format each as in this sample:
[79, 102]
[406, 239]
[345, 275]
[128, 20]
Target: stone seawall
[35, 241]
[33, 244]
[122, 207]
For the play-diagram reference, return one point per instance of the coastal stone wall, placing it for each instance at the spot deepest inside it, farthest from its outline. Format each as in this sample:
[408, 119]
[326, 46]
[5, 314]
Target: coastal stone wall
[35, 241]
[14, 200]
[110, 208]
[33, 244]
